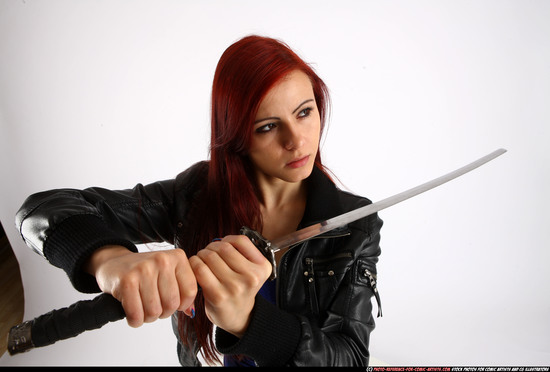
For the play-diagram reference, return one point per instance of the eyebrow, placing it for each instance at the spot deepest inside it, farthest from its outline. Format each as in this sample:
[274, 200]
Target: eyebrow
[276, 118]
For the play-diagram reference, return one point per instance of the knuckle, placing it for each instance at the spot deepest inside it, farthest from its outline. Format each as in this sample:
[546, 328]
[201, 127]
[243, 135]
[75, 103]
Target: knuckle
[226, 248]
[134, 323]
[180, 256]
[207, 255]
[199, 268]
[243, 240]
[267, 268]
[239, 288]
[203, 270]
[189, 291]
[233, 288]
[162, 261]
[172, 303]
[128, 283]
[178, 252]
[195, 262]
[253, 281]
[218, 298]
[133, 317]
[153, 312]
[146, 269]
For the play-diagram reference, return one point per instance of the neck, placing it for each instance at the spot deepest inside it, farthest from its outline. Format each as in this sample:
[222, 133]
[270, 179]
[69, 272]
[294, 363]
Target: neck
[278, 194]
[282, 207]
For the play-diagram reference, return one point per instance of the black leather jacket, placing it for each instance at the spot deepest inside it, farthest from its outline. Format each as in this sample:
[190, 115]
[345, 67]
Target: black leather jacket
[325, 286]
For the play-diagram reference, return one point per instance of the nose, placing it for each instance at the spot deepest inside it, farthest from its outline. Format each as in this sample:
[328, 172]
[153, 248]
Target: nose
[293, 138]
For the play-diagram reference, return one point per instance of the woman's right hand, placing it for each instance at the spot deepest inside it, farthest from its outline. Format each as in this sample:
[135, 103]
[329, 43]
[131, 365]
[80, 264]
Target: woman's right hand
[150, 285]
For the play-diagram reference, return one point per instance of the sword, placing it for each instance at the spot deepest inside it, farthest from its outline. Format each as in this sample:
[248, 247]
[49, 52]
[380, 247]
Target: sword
[269, 248]
[92, 314]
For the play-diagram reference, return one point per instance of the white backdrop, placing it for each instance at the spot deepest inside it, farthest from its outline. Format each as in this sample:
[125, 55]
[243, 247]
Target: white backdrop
[111, 93]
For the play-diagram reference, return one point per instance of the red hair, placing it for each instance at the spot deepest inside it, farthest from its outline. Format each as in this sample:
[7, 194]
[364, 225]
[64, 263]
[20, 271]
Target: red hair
[246, 71]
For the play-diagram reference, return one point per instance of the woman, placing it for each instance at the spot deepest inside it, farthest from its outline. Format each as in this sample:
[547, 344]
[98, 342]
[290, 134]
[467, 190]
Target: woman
[268, 113]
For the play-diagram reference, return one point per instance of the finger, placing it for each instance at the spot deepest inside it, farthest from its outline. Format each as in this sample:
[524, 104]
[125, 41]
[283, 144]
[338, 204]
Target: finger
[243, 244]
[218, 265]
[129, 297]
[218, 255]
[187, 283]
[150, 298]
[242, 257]
[205, 277]
[168, 292]
[134, 311]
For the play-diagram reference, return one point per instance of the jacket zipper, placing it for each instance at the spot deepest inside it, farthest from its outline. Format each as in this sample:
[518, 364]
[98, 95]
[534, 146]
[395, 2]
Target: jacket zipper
[331, 258]
[345, 254]
[372, 280]
[312, 294]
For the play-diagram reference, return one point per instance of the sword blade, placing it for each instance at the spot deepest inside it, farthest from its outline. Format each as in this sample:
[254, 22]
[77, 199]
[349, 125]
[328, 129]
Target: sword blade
[312, 231]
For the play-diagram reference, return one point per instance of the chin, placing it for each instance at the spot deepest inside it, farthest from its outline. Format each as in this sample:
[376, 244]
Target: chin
[298, 175]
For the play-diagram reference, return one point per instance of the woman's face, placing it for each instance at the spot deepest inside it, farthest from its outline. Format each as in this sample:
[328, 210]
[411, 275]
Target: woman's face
[285, 137]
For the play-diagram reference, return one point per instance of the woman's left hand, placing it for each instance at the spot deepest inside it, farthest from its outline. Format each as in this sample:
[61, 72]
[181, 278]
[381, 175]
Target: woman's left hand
[230, 273]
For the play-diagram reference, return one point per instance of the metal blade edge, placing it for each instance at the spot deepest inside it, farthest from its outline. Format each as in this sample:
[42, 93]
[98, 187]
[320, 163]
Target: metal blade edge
[312, 231]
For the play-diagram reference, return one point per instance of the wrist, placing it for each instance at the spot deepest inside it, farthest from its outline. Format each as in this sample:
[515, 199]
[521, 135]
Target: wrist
[102, 255]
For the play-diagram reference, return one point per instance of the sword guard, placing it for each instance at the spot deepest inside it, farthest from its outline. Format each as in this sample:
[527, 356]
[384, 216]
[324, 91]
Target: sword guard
[263, 246]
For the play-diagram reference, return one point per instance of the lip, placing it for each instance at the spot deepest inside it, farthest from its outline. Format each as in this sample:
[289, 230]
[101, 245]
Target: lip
[298, 162]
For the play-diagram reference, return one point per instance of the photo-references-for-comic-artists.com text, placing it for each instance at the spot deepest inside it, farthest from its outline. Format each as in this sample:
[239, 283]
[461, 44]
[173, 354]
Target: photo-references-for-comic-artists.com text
[458, 369]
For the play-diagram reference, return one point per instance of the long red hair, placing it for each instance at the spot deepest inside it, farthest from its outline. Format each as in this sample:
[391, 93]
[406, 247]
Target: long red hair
[245, 73]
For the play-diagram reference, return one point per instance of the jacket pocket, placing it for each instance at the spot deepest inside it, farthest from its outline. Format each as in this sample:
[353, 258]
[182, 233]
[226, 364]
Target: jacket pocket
[322, 278]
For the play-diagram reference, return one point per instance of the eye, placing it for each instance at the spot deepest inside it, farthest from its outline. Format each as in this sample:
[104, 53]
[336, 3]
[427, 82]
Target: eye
[265, 128]
[305, 112]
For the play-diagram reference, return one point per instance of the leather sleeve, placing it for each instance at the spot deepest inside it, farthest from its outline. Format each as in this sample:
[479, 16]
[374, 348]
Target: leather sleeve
[67, 225]
[271, 337]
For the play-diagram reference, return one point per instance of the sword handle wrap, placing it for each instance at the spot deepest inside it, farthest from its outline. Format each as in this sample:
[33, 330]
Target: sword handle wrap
[264, 246]
[64, 323]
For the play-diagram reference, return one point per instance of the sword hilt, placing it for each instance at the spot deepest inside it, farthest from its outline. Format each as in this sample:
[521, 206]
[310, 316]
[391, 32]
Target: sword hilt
[64, 323]
[263, 246]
